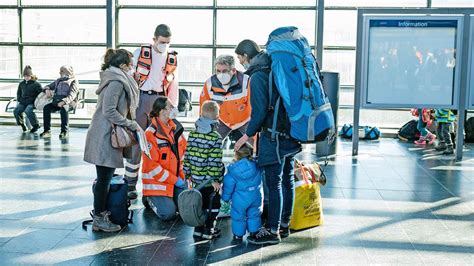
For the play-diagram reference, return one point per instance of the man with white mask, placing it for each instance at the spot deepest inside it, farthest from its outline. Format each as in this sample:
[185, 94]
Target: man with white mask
[229, 88]
[156, 72]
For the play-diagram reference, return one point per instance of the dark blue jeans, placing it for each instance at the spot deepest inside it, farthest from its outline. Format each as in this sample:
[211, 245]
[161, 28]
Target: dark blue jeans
[280, 182]
[28, 110]
[63, 111]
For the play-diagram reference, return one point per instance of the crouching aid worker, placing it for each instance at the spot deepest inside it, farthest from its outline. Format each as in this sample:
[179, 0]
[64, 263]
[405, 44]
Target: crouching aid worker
[162, 172]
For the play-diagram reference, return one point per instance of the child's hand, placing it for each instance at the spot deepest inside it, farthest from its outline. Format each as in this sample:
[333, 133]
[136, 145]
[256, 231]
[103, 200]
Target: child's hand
[216, 186]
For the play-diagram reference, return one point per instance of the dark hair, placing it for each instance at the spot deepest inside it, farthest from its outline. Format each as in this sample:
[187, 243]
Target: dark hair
[162, 30]
[248, 47]
[158, 105]
[116, 57]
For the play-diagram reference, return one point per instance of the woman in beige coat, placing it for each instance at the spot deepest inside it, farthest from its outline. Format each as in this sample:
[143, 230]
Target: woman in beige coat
[116, 104]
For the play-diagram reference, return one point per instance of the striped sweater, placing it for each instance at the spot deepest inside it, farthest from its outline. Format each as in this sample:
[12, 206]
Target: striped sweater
[203, 157]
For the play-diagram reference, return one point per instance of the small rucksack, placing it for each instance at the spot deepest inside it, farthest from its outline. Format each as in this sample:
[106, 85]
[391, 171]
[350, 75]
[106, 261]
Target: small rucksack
[298, 80]
[365, 132]
[117, 202]
[190, 206]
[469, 130]
[409, 131]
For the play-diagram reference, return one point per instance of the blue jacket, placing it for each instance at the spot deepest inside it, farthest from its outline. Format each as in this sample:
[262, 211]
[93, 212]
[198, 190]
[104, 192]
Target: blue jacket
[242, 184]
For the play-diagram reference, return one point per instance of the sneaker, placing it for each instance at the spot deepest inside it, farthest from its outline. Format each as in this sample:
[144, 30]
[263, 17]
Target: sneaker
[449, 150]
[209, 233]
[264, 237]
[132, 193]
[145, 202]
[35, 128]
[237, 238]
[441, 147]
[63, 135]
[101, 222]
[198, 231]
[46, 134]
[224, 211]
[421, 141]
[284, 232]
[24, 128]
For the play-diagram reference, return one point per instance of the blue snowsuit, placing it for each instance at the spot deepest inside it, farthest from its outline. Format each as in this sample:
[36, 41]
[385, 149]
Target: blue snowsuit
[242, 185]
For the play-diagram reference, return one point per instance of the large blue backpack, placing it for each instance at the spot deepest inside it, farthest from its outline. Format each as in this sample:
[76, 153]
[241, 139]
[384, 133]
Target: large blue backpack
[297, 78]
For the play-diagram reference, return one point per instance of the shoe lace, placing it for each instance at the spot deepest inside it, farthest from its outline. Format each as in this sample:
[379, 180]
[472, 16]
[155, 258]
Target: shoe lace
[263, 232]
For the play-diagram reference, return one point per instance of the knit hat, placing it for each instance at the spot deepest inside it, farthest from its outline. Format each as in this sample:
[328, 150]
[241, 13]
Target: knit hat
[27, 71]
[67, 69]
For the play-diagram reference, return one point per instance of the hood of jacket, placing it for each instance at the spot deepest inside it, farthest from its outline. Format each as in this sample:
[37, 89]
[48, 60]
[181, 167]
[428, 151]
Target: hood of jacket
[243, 169]
[262, 61]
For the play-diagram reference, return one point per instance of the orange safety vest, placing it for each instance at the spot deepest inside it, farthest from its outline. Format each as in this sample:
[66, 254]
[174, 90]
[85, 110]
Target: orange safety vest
[161, 171]
[234, 103]
[143, 68]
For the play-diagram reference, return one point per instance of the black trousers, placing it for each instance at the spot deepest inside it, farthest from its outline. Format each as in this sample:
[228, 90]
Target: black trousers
[51, 108]
[101, 188]
[206, 193]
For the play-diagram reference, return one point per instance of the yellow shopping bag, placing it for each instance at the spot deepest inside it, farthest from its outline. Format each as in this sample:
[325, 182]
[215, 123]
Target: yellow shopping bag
[307, 210]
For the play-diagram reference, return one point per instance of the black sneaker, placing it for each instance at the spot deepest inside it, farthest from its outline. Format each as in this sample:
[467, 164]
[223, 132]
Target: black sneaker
[264, 237]
[198, 231]
[284, 232]
[448, 151]
[63, 135]
[211, 233]
[35, 128]
[237, 238]
[441, 147]
[24, 128]
[46, 134]
[132, 193]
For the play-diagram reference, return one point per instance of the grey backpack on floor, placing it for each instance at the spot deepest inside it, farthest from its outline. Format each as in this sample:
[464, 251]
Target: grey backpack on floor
[190, 206]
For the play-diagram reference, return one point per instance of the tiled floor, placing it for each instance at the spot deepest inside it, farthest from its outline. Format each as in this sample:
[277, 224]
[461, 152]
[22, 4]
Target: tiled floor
[393, 204]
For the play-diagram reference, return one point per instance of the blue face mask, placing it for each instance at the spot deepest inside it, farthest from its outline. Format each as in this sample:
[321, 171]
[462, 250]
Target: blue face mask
[246, 66]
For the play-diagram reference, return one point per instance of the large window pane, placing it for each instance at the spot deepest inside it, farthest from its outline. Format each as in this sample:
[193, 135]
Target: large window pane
[340, 27]
[8, 2]
[377, 3]
[196, 28]
[453, 3]
[167, 2]
[9, 59]
[64, 25]
[8, 90]
[231, 32]
[46, 61]
[266, 3]
[342, 62]
[379, 118]
[8, 25]
[62, 2]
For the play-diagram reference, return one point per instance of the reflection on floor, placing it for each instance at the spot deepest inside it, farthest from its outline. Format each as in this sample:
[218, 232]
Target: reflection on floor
[395, 203]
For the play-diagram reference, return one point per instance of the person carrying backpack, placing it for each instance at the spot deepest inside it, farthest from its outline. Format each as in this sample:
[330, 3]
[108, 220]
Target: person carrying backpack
[275, 156]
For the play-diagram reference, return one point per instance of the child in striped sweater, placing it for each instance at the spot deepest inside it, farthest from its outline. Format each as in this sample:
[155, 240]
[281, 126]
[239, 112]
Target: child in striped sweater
[203, 163]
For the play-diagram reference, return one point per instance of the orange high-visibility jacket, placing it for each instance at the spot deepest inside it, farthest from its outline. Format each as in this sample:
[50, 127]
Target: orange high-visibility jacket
[234, 103]
[161, 171]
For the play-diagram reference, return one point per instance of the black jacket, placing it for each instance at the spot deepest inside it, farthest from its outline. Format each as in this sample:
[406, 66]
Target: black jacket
[261, 117]
[28, 91]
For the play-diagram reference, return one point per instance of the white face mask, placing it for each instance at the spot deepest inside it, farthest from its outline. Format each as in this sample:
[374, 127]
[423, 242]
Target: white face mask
[174, 113]
[162, 47]
[224, 78]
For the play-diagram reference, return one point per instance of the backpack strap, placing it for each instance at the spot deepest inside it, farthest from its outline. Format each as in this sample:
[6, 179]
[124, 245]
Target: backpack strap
[86, 222]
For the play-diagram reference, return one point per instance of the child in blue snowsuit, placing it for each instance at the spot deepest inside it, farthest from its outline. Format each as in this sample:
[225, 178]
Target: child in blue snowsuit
[242, 185]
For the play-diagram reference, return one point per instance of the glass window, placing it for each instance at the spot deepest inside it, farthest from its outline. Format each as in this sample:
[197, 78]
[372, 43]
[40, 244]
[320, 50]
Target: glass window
[340, 27]
[8, 90]
[231, 32]
[8, 25]
[63, 3]
[9, 60]
[342, 62]
[452, 3]
[187, 26]
[167, 2]
[65, 25]
[46, 61]
[377, 3]
[9, 2]
[266, 3]
[380, 118]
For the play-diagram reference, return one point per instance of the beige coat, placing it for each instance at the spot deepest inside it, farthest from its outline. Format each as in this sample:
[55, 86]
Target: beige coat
[116, 104]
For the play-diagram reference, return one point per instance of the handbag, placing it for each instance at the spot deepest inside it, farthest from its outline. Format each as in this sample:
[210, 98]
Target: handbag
[122, 137]
[42, 100]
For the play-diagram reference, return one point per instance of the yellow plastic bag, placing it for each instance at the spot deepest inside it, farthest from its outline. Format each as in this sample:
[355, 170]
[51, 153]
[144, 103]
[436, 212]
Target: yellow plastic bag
[307, 210]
